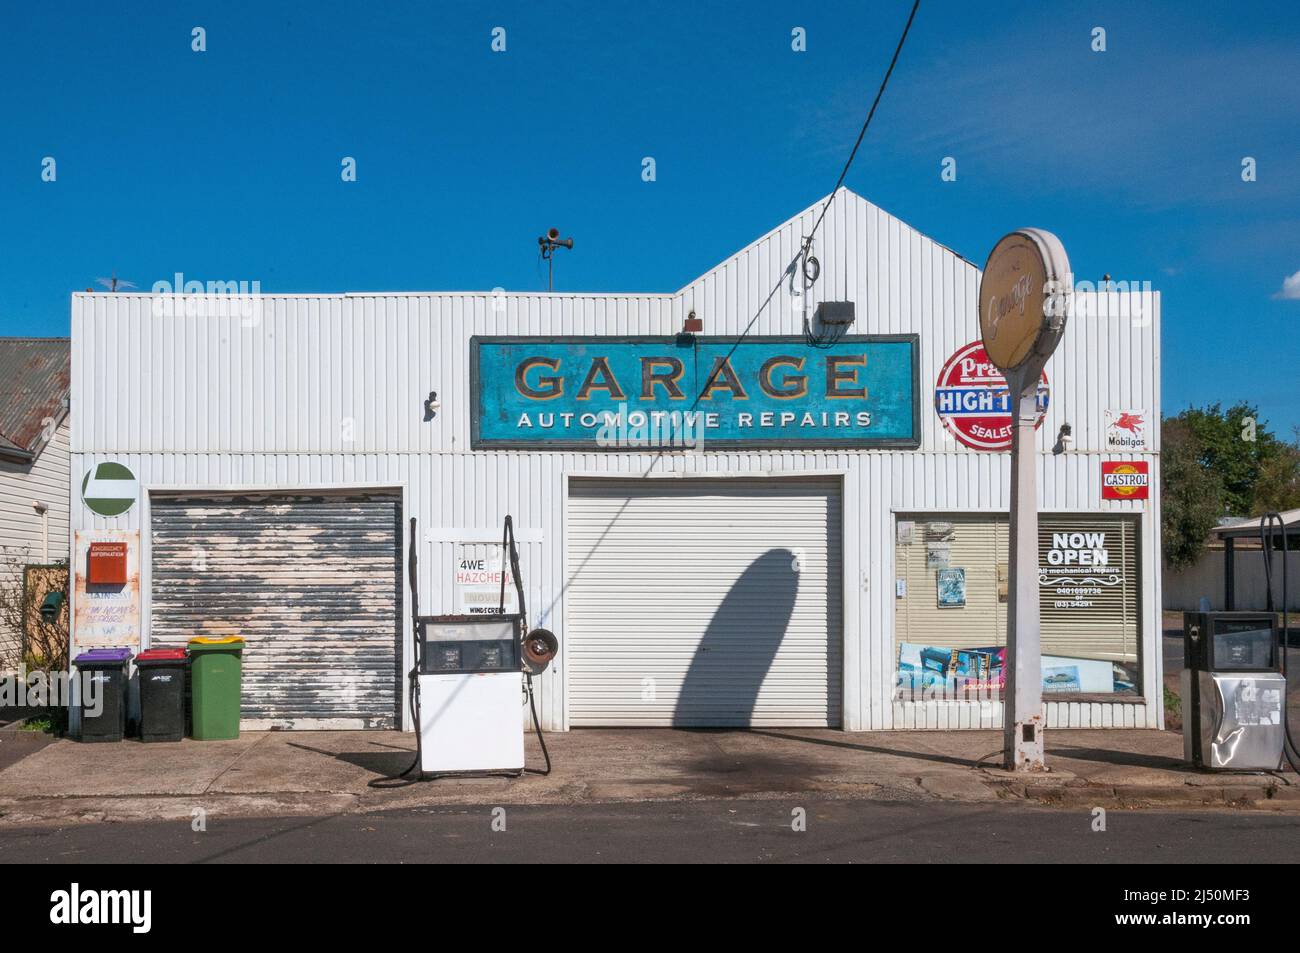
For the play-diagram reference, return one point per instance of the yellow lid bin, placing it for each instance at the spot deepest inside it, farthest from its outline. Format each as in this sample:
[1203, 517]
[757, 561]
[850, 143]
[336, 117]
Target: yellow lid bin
[216, 682]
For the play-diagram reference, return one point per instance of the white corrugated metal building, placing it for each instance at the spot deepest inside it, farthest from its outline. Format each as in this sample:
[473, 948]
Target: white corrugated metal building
[280, 454]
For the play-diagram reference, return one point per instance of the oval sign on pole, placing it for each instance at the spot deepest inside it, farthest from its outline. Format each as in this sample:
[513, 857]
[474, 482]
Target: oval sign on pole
[1024, 300]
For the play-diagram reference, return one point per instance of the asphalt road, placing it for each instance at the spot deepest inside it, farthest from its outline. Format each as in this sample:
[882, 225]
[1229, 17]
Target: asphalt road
[710, 831]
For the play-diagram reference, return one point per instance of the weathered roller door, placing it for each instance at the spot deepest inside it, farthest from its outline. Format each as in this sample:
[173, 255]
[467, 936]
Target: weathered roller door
[312, 582]
[704, 602]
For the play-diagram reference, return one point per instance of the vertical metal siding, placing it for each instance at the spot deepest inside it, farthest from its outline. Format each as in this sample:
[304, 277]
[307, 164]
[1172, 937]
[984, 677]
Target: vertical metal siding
[145, 393]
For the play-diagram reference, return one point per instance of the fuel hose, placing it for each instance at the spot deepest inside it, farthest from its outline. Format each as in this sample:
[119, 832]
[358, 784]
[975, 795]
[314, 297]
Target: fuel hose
[1269, 525]
[413, 684]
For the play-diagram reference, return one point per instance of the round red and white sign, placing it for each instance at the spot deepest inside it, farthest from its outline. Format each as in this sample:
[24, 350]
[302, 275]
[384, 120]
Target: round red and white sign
[972, 399]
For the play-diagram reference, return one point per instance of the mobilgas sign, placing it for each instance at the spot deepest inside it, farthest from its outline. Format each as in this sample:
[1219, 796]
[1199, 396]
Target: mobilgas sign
[694, 392]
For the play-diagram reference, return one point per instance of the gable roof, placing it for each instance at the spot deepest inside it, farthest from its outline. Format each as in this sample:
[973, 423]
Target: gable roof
[34, 380]
[850, 208]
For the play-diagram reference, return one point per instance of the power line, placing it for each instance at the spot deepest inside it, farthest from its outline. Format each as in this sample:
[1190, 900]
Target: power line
[803, 249]
[876, 102]
[766, 301]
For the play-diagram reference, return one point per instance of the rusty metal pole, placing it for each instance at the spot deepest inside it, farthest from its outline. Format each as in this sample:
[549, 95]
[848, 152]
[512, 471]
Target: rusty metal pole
[1022, 708]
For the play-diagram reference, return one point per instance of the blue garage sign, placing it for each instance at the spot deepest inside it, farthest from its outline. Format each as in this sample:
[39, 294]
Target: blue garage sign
[694, 392]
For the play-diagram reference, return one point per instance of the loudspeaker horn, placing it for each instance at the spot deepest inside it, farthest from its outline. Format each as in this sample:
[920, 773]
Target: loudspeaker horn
[540, 646]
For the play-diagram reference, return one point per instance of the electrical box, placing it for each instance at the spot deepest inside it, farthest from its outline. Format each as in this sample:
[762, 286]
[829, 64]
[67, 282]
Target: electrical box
[106, 564]
[832, 313]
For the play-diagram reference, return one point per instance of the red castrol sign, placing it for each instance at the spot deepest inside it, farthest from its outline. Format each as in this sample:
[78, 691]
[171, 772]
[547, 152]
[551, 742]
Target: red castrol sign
[1125, 480]
[973, 401]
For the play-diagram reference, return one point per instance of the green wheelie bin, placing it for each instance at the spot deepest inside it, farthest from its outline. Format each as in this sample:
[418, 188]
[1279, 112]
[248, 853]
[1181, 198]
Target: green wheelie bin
[216, 677]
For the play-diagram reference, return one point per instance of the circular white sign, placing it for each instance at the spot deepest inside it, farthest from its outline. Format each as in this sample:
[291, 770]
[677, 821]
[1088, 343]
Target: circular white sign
[109, 489]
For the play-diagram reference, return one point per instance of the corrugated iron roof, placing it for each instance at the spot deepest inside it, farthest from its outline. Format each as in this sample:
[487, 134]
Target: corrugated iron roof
[1248, 527]
[34, 378]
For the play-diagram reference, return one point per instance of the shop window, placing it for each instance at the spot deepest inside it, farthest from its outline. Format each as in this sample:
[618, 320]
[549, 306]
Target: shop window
[950, 600]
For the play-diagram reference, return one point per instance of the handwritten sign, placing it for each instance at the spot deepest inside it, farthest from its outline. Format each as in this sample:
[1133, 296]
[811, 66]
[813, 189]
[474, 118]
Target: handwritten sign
[106, 614]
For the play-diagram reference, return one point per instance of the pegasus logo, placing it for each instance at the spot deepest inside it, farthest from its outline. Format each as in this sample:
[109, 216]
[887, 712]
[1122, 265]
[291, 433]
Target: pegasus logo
[1130, 422]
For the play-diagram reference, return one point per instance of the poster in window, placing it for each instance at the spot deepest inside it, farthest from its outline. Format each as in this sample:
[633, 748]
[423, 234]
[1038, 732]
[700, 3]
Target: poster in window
[1061, 678]
[952, 588]
[937, 555]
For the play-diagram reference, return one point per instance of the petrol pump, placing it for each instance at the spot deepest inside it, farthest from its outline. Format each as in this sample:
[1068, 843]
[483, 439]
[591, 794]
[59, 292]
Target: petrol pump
[1234, 682]
[1234, 694]
[470, 684]
[471, 675]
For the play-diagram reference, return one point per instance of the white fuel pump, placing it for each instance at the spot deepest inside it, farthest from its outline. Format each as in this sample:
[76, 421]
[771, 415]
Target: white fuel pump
[471, 674]
[471, 687]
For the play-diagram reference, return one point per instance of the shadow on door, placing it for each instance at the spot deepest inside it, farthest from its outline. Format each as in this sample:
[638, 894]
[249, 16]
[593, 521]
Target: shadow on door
[723, 680]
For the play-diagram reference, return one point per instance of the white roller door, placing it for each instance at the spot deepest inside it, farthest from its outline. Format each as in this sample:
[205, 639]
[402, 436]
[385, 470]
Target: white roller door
[704, 602]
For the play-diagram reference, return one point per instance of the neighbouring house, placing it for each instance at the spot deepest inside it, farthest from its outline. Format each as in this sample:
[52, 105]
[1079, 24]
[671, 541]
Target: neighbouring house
[1236, 546]
[35, 374]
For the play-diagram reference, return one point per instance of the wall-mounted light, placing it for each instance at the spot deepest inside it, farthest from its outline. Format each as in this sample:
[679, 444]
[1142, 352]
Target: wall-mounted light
[692, 324]
[1064, 439]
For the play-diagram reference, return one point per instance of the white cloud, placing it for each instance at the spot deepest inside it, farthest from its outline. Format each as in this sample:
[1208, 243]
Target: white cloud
[1290, 288]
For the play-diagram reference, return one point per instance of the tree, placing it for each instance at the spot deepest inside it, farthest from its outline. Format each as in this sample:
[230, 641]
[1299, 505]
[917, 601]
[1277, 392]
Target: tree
[1238, 447]
[1278, 487]
[1191, 494]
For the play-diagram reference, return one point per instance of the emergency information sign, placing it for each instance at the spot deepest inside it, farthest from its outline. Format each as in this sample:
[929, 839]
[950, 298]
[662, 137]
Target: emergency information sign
[973, 400]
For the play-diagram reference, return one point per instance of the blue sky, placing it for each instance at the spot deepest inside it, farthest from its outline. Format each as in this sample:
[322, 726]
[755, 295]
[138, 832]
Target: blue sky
[224, 165]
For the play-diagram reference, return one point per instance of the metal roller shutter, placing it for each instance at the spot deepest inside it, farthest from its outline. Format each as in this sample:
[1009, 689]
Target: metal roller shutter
[684, 606]
[312, 582]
